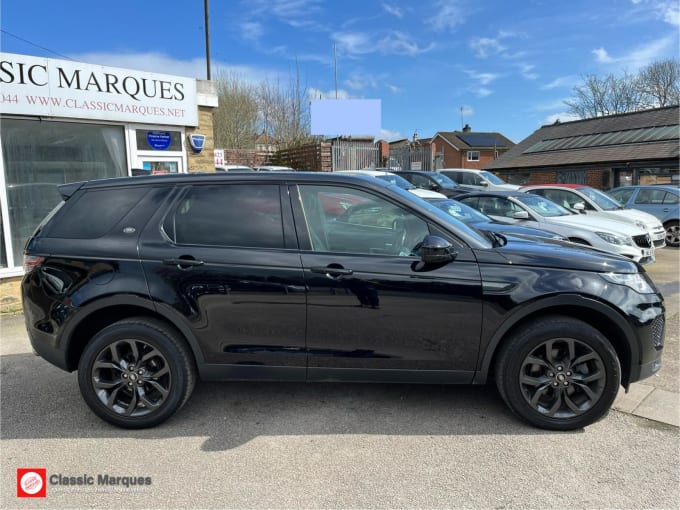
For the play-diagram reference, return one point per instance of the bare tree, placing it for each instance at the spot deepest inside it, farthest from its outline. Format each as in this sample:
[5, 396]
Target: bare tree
[656, 85]
[659, 83]
[604, 96]
[235, 119]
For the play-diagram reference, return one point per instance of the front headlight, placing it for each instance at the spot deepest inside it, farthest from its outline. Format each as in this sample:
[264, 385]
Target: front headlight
[615, 238]
[635, 281]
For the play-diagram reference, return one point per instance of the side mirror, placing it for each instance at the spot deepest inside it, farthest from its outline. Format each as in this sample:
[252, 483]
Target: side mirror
[484, 183]
[436, 250]
[579, 207]
[521, 215]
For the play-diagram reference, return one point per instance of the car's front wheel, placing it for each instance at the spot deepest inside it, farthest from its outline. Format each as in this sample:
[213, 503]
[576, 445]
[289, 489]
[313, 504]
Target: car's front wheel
[558, 373]
[136, 373]
[672, 233]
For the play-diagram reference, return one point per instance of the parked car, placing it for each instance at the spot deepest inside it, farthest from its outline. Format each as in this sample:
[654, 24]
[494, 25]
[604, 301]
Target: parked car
[397, 181]
[273, 168]
[477, 180]
[583, 199]
[476, 219]
[145, 284]
[660, 200]
[432, 181]
[539, 212]
[233, 168]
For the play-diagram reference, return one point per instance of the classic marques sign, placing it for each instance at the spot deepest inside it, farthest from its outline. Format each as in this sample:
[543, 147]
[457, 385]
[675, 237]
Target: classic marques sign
[62, 88]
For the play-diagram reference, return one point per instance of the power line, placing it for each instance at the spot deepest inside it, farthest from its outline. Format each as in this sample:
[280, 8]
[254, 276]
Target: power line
[34, 44]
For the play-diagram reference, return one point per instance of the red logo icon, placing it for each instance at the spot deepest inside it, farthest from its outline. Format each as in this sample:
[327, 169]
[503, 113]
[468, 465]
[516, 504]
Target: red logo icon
[31, 483]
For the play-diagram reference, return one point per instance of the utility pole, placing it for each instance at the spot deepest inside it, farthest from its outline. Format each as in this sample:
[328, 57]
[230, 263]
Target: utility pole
[207, 38]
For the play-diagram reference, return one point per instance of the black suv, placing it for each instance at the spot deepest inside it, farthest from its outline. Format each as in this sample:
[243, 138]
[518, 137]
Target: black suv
[143, 284]
[433, 181]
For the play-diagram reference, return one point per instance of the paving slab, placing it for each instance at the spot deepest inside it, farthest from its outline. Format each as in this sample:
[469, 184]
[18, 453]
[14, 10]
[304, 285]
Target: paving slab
[628, 402]
[660, 405]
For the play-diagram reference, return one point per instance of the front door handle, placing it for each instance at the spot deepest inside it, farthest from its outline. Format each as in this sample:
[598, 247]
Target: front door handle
[332, 272]
[183, 262]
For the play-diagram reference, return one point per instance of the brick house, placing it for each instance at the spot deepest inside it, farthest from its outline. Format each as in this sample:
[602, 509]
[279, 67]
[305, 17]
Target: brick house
[467, 148]
[604, 152]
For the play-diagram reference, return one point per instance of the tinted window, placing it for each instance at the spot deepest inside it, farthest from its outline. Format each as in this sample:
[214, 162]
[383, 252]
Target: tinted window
[95, 212]
[650, 196]
[228, 215]
[367, 224]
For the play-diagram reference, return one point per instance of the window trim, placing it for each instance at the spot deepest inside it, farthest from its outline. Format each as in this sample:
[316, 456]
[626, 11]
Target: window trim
[470, 155]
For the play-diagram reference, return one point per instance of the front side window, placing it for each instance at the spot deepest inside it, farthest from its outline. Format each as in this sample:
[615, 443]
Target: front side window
[622, 195]
[351, 221]
[473, 156]
[234, 215]
[546, 208]
[497, 206]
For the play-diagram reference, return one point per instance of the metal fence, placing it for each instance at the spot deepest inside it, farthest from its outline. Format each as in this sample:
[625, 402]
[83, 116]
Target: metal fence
[410, 158]
[354, 155]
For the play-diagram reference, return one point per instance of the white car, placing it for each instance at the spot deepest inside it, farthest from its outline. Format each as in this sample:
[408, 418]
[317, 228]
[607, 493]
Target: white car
[535, 211]
[586, 200]
[274, 168]
[477, 180]
[397, 181]
[233, 168]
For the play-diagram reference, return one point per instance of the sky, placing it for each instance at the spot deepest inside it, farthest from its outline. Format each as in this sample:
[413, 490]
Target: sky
[435, 65]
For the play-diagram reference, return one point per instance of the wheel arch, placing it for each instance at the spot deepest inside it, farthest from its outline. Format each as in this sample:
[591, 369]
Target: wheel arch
[605, 319]
[97, 315]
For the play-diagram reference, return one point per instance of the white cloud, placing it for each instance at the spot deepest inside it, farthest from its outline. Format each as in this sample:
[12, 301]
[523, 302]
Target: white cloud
[389, 135]
[639, 56]
[668, 11]
[482, 78]
[602, 56]
[562, 117]
[314, 93]
[562, 81]
[484, 47]
[527, 71]
[393, 88]
[391, 43]
[482, 92]
[393, 10]
[251, 30]
[448, 14]
[161, 63]
[671, 14]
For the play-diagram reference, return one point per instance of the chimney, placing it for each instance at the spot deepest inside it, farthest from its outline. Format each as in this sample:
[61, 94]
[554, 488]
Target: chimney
[467, 128]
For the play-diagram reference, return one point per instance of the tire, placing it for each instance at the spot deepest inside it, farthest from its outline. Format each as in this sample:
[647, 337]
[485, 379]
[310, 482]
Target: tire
[558, 373]
[136, 373]
[672, 233]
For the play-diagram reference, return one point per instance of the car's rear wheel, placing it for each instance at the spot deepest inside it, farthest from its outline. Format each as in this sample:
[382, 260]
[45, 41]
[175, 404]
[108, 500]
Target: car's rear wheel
[558, 373]
[136, 373]
[672, 233]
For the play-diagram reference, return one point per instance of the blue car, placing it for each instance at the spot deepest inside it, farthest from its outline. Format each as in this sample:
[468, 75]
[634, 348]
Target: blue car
[476, 219]
[661, 201]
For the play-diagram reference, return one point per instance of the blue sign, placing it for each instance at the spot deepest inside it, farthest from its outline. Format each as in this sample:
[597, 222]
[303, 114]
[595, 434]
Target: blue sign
[159, 140]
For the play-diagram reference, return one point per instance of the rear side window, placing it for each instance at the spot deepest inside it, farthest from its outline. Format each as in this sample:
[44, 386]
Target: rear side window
[95, 212]
[238, 215]
[650, 196]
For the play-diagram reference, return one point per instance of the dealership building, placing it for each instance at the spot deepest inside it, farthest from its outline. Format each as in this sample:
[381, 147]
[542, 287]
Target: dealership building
[65, 121]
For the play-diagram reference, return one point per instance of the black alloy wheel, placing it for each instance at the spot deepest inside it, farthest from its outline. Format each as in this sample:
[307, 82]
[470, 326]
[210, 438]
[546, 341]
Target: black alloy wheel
[558, 373]
[136, 373]
[672, 233]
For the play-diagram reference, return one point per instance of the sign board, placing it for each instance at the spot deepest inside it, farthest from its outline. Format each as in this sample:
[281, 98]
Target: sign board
[219, 156]
[63, 88]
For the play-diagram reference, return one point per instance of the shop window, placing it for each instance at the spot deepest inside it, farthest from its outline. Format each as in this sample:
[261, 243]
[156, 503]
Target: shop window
[158, 140]
[39, 155]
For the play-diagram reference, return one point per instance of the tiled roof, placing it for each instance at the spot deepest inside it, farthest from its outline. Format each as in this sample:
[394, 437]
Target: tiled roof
[517, 157]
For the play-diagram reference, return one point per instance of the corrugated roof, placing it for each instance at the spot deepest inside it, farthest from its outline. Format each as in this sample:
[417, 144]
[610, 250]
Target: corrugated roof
[518, 157]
